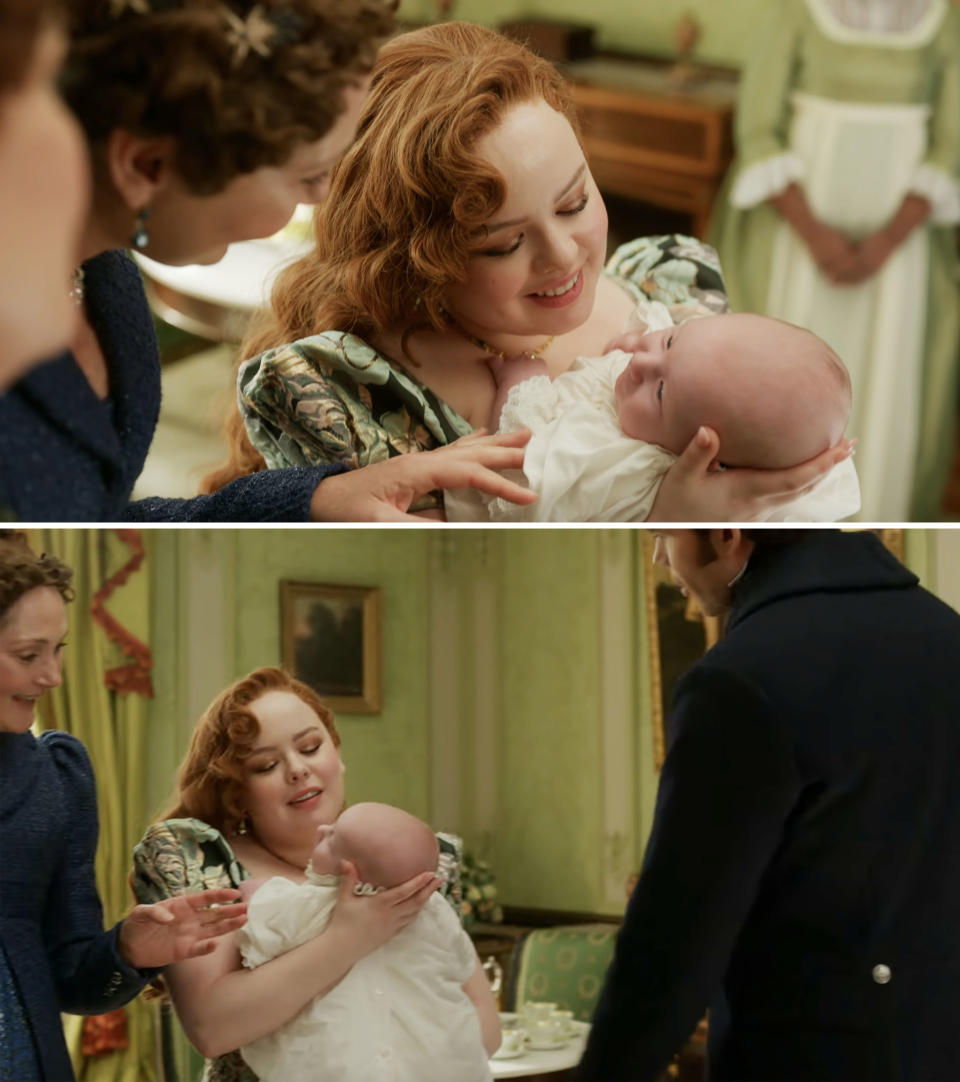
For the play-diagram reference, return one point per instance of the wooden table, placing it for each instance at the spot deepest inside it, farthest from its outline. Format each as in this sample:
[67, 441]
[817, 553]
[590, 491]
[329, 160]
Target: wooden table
[648, 139]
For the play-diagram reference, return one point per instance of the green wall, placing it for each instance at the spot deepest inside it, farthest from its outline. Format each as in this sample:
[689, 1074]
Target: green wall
[387, 755]
[553, 778]
[550, 749]
[547, 838]
[638, 26]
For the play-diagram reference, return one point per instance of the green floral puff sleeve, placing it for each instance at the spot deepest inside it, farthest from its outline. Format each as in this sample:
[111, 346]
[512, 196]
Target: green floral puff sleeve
[331, 398]
[680, 272]
[183, 856]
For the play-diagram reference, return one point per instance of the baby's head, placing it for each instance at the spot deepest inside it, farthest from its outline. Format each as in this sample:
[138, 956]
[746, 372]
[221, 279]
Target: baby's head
[387, 845]
[776, 394]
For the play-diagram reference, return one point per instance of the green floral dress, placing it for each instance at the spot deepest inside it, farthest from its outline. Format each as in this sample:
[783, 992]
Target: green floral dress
[333, 398]
[183, 856]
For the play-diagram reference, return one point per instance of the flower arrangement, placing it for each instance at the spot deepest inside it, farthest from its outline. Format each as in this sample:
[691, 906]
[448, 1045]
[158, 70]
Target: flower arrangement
[479, 890]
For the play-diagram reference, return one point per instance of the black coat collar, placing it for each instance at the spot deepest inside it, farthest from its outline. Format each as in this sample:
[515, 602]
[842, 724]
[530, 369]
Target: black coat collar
[822, 561]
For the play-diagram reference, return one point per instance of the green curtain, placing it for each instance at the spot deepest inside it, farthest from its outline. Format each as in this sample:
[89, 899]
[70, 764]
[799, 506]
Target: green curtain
[103, 702]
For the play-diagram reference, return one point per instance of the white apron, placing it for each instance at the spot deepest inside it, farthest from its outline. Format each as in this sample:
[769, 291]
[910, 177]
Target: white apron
[859, 161]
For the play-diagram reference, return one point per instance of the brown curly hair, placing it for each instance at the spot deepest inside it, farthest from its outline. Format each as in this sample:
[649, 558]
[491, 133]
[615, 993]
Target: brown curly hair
[21, 22]
[176, 71]
[21, 570]
[210, 779]
[407, 204]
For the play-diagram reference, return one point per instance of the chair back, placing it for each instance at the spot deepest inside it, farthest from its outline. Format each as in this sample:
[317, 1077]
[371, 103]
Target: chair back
[565, 965]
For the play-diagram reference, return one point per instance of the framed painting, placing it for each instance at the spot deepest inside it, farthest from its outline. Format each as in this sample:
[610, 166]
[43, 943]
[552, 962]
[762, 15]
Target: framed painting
[331, 640]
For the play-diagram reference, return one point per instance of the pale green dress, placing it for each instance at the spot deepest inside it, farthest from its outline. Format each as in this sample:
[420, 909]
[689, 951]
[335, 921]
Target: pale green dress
[859, 118]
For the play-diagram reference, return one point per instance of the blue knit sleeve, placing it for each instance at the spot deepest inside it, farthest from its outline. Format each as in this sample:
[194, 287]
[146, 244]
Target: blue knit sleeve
[269, 496]
[90, 976]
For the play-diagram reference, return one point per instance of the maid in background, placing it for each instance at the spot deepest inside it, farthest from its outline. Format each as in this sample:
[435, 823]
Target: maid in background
[839, 215]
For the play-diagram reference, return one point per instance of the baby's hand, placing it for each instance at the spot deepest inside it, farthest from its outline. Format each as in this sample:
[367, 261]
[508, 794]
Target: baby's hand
[510, 371]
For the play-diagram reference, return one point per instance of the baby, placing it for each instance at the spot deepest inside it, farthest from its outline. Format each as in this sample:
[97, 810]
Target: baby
[606, 431]
[412, 1010]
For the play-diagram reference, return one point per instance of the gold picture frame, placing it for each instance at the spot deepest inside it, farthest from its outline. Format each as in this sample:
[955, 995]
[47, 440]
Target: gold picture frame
[331, 641]
[678, 633]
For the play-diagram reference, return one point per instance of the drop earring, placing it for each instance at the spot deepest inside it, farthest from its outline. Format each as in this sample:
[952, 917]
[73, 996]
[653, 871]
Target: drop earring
[141, 238]
[242, 827]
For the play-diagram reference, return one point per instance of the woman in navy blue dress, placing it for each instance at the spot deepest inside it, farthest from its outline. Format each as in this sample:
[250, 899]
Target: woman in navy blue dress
[54, 953]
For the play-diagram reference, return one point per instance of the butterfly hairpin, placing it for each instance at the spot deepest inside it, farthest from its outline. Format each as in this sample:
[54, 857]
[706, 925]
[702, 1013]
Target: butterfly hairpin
[255, 33]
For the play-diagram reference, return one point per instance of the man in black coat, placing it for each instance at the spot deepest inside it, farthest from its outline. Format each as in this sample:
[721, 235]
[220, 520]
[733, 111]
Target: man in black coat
[802, 876]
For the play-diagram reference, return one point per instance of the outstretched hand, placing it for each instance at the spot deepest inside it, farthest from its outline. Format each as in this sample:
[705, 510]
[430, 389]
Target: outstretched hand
[181, 927]
[384, 491]
[695, 489]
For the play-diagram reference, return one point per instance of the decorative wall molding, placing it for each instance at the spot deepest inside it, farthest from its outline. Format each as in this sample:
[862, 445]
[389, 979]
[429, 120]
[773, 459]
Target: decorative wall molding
[618, 661]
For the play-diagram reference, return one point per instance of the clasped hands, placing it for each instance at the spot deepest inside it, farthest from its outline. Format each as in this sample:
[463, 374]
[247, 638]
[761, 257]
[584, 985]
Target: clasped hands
[847, 262]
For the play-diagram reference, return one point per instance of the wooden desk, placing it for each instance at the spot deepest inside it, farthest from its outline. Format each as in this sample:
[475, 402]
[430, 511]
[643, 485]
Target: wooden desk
[651, 141]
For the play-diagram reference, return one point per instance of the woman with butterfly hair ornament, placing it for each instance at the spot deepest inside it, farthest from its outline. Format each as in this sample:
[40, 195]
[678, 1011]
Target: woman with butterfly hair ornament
[207, 122]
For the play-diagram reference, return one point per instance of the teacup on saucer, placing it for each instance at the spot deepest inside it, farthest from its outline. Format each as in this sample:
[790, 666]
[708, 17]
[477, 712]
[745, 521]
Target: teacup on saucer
[545, 1033]
[513, 1043]
[536, 1011]
[564, 1020]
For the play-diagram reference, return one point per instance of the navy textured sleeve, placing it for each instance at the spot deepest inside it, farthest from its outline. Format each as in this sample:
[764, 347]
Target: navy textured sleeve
[727, 787]
[267, 496]
[89, 974]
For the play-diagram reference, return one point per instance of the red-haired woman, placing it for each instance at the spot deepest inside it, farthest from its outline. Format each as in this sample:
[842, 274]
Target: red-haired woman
[262, 773]
[463, 223]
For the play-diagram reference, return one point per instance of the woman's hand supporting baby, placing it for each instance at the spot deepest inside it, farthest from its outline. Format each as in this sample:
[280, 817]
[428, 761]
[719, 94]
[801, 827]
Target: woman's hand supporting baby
[368, 921]
[696, 489]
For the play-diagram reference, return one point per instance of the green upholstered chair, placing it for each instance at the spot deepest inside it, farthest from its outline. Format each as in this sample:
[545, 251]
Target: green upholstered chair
[565, 965]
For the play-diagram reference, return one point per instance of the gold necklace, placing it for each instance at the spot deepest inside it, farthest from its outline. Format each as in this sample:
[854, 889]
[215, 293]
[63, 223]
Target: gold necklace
[533, 354]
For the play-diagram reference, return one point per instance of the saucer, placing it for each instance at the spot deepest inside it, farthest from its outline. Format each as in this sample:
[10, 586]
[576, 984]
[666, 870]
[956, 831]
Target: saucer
[503, 1054]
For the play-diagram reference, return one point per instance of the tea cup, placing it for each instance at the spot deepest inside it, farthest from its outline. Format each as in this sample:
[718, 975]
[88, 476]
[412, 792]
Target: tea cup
[512, 1042]
[545, 1034]
[535, 1011]
[564, 1020]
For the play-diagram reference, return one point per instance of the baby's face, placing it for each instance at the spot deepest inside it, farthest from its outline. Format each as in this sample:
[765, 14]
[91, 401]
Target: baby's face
[665, 392]
[328, 852]
[758, 382]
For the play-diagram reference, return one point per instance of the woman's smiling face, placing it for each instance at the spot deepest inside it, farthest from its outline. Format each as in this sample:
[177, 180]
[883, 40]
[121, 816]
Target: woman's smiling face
[294, 774]
[32, 633]
[536, 272]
